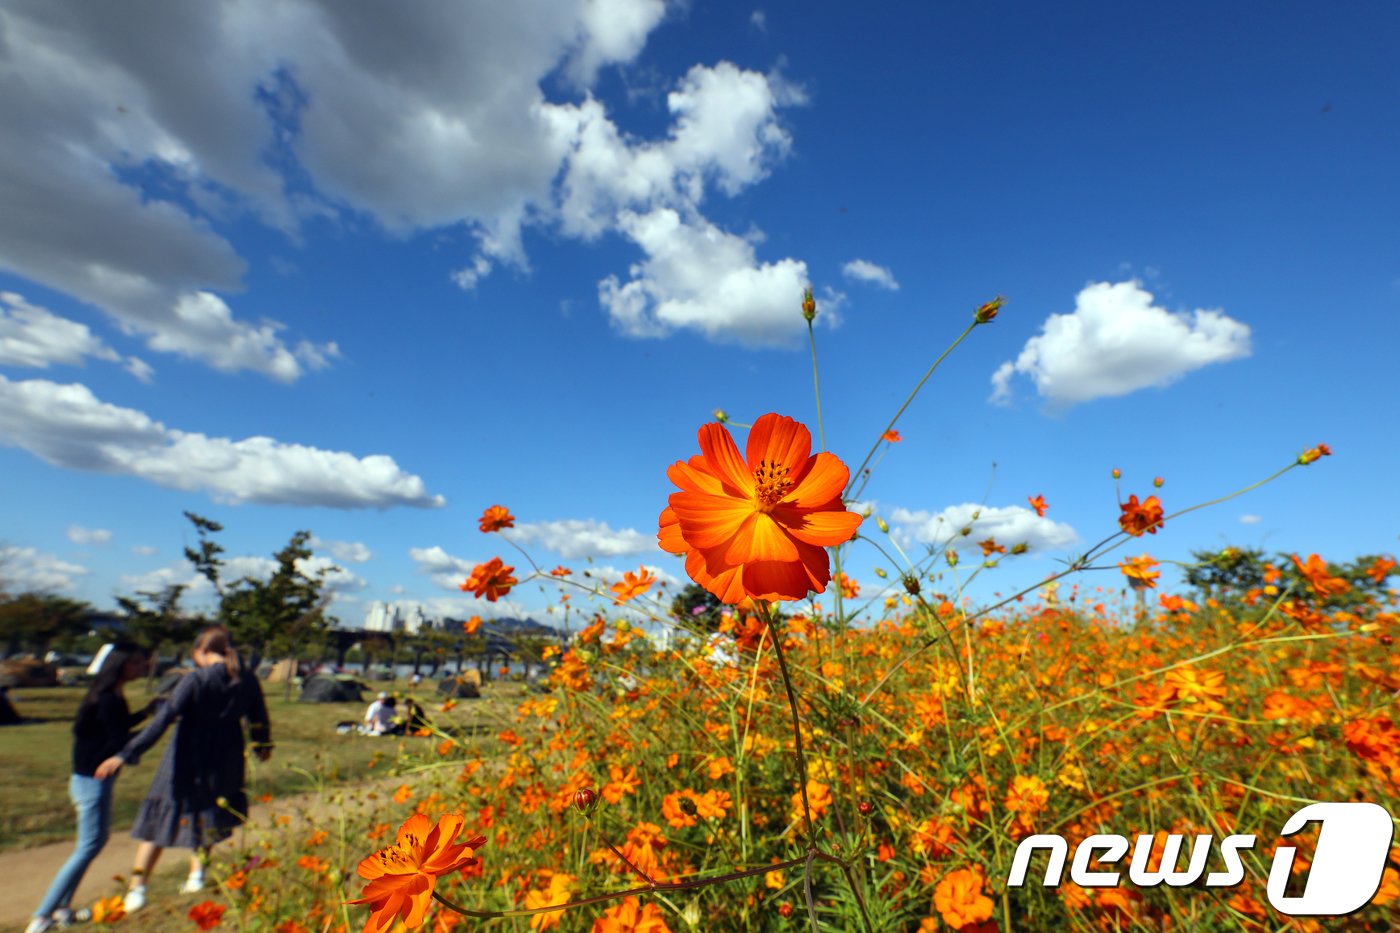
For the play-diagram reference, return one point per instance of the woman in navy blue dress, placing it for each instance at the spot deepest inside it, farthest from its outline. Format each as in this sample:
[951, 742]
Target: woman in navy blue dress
[197, 796]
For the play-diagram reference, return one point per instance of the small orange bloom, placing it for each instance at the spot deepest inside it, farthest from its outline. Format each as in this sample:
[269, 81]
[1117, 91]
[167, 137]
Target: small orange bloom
[1200, 687]
[402, 877]
[471, 626]
[108, 909]
[1138, 519]
[1314, 453]
[892, 436]
[756, 527]
[1037, 503]
[632, 584]
[1380, 570]
[1323, 583]
[496, 518]
[818, 798]
[491, 579]
[560, 891]
[850, 589]
[560, 571]
[632, 916]
[1142, 569]
[990, 547]
[207, 914]
[960, 900]
[403, 794]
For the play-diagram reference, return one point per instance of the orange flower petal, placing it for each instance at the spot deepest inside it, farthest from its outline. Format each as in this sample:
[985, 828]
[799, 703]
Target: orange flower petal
[779, 440]
[695, 476]
[722, 456]
[760, 538]
[823, 529]
[669, 534]
[823, 481]
[774, 580]
[707, 521]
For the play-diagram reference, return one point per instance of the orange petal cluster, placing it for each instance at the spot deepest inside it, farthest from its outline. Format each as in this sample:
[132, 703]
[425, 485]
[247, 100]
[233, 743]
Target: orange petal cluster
[495, 518]
[756, 526]
[1143, 570]
[1141, 518]
[402, 877]
[1319, 578]
[207, 915]
[960, 900]
[632, 584]
[492, 579]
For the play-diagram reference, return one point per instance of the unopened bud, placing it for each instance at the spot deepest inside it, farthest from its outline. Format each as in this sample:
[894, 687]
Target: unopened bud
[868, 511]
[988, 312]
[952, 558]
[1157, 481]
[688, 806]
[585, 799]
[809, 304]
[911, 583]
[1117, 473]
[1021, 548]
[880, 572]
[881, 524]
[865, 807]
[966, 530]
[785, 909]
[721, 416]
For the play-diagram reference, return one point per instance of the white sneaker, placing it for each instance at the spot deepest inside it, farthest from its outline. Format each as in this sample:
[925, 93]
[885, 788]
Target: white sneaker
[39, 925]
[135, 899]
[63, 917]
[192, 885]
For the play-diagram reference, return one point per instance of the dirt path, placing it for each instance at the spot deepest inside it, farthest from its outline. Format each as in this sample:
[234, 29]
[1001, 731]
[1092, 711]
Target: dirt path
[25, 874]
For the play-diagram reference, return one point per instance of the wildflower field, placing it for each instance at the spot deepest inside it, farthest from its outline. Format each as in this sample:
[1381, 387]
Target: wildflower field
[743, 756]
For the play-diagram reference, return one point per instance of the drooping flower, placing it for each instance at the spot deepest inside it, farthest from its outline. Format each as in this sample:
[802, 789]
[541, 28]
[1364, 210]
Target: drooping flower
[1037, 503]
[1139, 518]
[960, 900]
[491, 579]
[1141, 569]
[402, 877]
[632, 584]
[755, 526]
[207, 914]
[495, 518]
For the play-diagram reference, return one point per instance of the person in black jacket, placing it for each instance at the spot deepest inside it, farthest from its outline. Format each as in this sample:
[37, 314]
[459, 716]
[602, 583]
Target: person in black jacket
[103, 725]
[198, 795]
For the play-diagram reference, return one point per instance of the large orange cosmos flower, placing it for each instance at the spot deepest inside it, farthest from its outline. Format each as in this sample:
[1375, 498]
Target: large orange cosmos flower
[1316, 573]
[402, 877]
[755, 527]
[491, 579]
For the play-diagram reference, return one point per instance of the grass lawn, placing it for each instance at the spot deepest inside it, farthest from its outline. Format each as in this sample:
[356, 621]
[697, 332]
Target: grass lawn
[37, 754]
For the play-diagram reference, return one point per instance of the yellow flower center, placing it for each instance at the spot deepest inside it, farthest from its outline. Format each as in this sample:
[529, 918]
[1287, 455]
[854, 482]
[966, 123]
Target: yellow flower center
[772, 484]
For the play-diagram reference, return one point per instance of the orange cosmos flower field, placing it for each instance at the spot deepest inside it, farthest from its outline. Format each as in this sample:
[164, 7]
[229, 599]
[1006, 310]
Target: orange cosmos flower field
[743, 756]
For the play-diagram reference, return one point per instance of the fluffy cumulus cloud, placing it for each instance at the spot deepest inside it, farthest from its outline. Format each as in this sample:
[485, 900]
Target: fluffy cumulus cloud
[576, 538]
[860, 270]
[350, 552]
[25, 569]
[445, 570]
[1007, 525]
[337, 581]
[136, 139]
[36, 337]
[1117, 341]
[80, 535]
[67, 426]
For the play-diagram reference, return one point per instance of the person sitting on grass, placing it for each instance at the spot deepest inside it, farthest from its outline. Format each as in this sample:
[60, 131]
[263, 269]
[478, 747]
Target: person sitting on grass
[379, 718]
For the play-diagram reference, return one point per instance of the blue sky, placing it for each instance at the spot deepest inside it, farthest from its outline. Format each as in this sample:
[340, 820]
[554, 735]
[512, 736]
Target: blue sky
[366, 271]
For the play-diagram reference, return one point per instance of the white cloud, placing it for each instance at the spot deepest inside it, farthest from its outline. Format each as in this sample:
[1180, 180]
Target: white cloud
[337, 583]
[1250, 519]
[350, 552]
[759, 20]
[576, 538]
[24, 569]
[133, 139]
[445, 570]
[698, 277]
[67, 426]
[36, 337]
[80, 535]
[1008, 525]
[144, 550]
[862, 271]
[1115, 342]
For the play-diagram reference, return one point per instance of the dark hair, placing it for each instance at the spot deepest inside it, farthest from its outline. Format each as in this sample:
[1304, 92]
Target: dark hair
[390, 702]
[110, 675]
[217, 640]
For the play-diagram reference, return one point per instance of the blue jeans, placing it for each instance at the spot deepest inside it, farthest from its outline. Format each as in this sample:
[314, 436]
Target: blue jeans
[93, 801]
